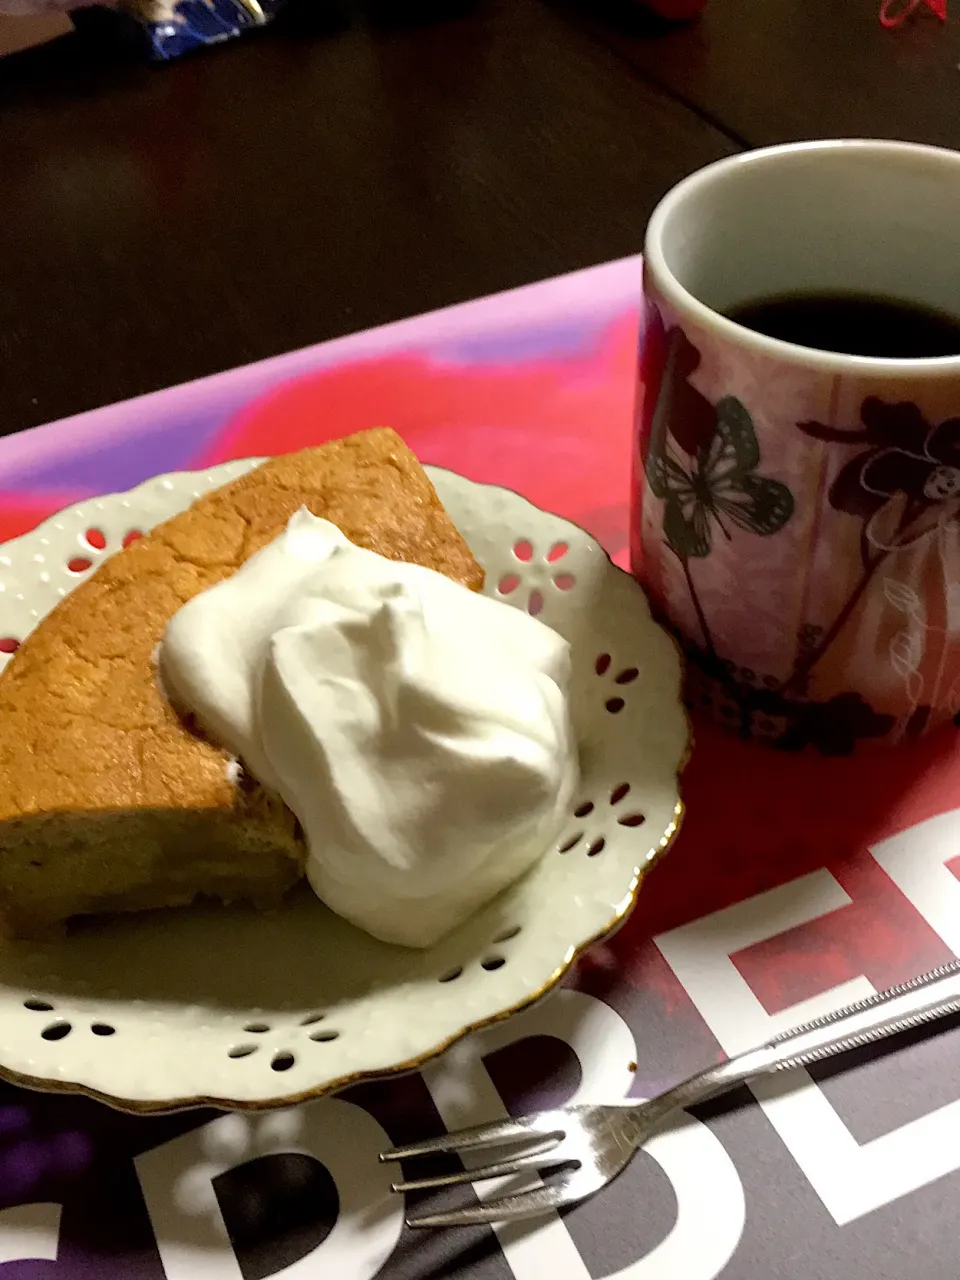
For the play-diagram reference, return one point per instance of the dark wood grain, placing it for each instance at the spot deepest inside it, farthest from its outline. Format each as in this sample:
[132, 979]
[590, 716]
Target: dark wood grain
[365, 160]
[163, 223]
[783, 70]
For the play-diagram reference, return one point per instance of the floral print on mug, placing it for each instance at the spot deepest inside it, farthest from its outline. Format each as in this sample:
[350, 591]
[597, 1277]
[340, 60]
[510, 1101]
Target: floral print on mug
[870, 645]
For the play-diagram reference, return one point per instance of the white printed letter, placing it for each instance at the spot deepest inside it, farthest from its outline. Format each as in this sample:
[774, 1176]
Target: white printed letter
[29, 1231]
[177, 1181]
[709, 1193]
[850, 1179]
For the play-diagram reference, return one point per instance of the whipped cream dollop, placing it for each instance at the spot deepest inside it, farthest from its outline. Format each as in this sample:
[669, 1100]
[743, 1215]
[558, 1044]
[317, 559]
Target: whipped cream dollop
[418, 730]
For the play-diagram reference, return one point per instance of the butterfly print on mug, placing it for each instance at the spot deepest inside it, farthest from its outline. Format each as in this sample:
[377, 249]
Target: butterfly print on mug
[703, 462]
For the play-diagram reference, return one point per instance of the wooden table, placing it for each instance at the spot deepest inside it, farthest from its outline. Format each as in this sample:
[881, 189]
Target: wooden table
[359, 162]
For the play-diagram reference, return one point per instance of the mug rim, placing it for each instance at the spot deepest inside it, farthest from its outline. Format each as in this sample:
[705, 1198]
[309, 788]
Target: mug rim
[831, 362]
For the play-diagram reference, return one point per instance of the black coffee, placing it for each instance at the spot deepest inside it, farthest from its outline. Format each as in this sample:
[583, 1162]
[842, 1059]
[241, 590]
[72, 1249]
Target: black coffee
[853, 324]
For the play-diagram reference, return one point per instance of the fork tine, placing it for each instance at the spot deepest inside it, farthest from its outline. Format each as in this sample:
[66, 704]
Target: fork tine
[499, 1169]
[483, 1135]
[511, 1208]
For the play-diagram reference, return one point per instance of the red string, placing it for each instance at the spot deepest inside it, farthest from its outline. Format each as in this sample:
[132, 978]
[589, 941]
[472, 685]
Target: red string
[893, 13]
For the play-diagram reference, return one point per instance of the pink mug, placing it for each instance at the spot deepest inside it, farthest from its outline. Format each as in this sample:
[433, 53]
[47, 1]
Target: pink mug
[796, 511]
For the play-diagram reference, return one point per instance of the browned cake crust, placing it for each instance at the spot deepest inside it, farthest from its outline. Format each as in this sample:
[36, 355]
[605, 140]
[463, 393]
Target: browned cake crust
[108, 801]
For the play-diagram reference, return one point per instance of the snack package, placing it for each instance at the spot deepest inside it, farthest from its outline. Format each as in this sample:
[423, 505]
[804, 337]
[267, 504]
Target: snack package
[175, 27]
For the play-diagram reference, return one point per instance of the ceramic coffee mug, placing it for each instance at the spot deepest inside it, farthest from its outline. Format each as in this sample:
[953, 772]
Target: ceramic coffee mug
[796, 515]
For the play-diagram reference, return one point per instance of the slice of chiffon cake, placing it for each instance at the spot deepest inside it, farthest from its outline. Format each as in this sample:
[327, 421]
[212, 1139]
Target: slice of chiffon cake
[108, 800]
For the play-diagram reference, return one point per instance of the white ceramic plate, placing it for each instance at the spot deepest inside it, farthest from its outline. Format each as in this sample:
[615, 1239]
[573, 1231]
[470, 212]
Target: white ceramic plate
[228, 1007]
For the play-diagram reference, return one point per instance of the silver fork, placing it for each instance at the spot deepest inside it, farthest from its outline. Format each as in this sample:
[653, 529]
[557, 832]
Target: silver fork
[593, 1144]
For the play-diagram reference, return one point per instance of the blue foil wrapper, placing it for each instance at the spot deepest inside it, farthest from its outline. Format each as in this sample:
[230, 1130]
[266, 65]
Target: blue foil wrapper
[176, 27]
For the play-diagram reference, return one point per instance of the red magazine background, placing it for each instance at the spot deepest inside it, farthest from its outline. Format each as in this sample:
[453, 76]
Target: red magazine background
[796, 883]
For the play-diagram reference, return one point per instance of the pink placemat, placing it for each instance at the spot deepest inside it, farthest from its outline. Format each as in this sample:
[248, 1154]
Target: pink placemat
[797, 884]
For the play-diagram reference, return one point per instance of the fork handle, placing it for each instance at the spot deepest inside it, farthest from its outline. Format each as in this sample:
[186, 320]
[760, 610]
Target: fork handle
[899, 1008]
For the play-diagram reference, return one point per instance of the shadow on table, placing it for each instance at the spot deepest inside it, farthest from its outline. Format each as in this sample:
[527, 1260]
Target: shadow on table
[224, 960]
[626, 17]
